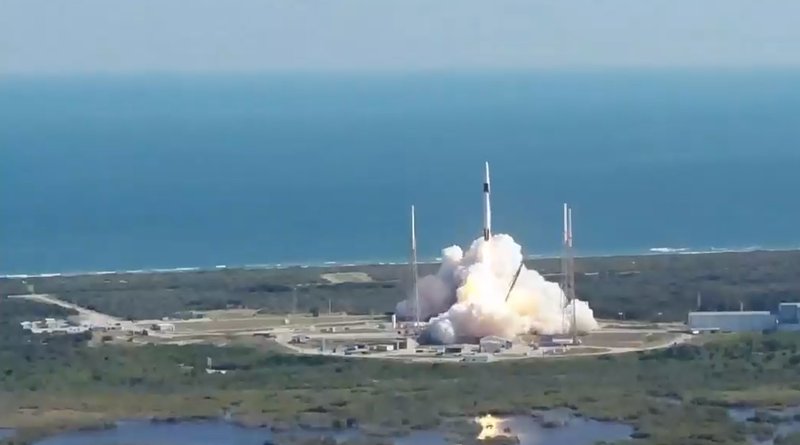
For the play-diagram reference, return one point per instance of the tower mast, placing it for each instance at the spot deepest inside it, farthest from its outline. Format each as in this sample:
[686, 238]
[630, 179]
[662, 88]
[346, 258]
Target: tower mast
[414, 265]
[565, 268]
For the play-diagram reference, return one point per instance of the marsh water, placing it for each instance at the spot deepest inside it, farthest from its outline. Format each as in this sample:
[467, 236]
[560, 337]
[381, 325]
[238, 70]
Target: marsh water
[6, 432]
[550, 428]
[784, 421]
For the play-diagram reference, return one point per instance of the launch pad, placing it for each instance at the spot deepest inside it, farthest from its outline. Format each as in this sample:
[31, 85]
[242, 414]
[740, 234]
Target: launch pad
[368, 337]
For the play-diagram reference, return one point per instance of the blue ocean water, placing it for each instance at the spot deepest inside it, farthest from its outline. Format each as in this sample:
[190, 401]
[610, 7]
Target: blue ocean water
[111, 173]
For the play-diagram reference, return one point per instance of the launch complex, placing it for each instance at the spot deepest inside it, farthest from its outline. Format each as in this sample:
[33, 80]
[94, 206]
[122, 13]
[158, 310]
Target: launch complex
[475, 309]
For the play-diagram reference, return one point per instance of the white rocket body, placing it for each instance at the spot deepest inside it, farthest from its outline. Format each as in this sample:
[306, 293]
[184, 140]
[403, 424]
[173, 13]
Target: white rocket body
[487, 207]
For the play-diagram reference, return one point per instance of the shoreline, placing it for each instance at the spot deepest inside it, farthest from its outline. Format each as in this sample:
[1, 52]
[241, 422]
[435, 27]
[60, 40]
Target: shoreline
[653, 251]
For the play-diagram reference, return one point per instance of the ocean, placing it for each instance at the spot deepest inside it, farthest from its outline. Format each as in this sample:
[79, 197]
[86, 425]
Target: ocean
[142, 172]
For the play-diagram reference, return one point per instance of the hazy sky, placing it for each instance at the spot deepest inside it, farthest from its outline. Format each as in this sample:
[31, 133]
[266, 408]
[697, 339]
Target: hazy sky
[88, 36]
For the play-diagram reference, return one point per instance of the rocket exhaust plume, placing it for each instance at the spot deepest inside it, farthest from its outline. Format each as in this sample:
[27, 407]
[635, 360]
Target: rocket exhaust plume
[469, 297]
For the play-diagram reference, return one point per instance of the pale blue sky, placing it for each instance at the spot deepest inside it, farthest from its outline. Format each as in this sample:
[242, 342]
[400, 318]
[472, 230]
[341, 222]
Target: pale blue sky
[91, 36]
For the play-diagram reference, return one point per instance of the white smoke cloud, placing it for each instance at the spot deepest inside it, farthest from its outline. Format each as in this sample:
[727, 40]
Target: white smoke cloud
[465, 300]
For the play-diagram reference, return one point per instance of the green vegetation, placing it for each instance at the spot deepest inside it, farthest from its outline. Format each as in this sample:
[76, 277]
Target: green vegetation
[48, 383]
[675, 395]
[791, 439]
[13, 312]
[641, 287]
[157, 295]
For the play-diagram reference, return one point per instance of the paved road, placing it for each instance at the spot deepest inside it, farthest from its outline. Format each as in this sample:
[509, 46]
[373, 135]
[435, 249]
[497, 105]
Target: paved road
[283, 339]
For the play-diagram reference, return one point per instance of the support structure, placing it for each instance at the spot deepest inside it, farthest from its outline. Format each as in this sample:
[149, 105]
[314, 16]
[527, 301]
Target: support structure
[414, 274]
[572, 280]
[568, 274]
[516, 277]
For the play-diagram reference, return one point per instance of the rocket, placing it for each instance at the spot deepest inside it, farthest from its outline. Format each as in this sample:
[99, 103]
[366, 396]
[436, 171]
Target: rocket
[487, 207]
[413, 231]
[567, 225]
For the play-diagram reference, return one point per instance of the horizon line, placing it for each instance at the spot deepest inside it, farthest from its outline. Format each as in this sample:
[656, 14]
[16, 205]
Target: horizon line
[25, 74]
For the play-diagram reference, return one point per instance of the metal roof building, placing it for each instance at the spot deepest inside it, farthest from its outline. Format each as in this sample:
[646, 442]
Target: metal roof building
[743, 321]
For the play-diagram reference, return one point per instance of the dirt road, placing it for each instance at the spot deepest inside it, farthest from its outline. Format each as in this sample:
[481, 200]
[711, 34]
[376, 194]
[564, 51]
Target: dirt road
[86, 315]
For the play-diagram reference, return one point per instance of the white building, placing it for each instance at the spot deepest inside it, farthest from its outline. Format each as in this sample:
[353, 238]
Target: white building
[743, 321]
[299, 339]
[492, 344]
[166, 327]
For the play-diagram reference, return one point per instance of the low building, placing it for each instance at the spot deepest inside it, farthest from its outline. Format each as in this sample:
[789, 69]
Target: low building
[556, 340]
[743, 321]
[453, 349]
[405, 344]
[789, 313]
[54, 326]
[299, 339]
[552, 350]
[492, 344]
[166, 327]
[384, 348]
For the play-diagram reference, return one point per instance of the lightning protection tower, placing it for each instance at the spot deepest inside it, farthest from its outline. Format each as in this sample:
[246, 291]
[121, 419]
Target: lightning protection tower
[413, 264]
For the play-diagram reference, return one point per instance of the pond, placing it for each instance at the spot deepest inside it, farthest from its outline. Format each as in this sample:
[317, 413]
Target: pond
[559, 426]
[6, 432]
[783, 421]
[543, 428]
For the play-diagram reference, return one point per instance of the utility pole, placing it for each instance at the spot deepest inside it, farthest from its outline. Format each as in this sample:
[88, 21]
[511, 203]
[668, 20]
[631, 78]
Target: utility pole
[330, 307]
[294, 300]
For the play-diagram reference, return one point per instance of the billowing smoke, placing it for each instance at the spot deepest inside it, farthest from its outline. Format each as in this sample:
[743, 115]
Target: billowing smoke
[466, 299]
